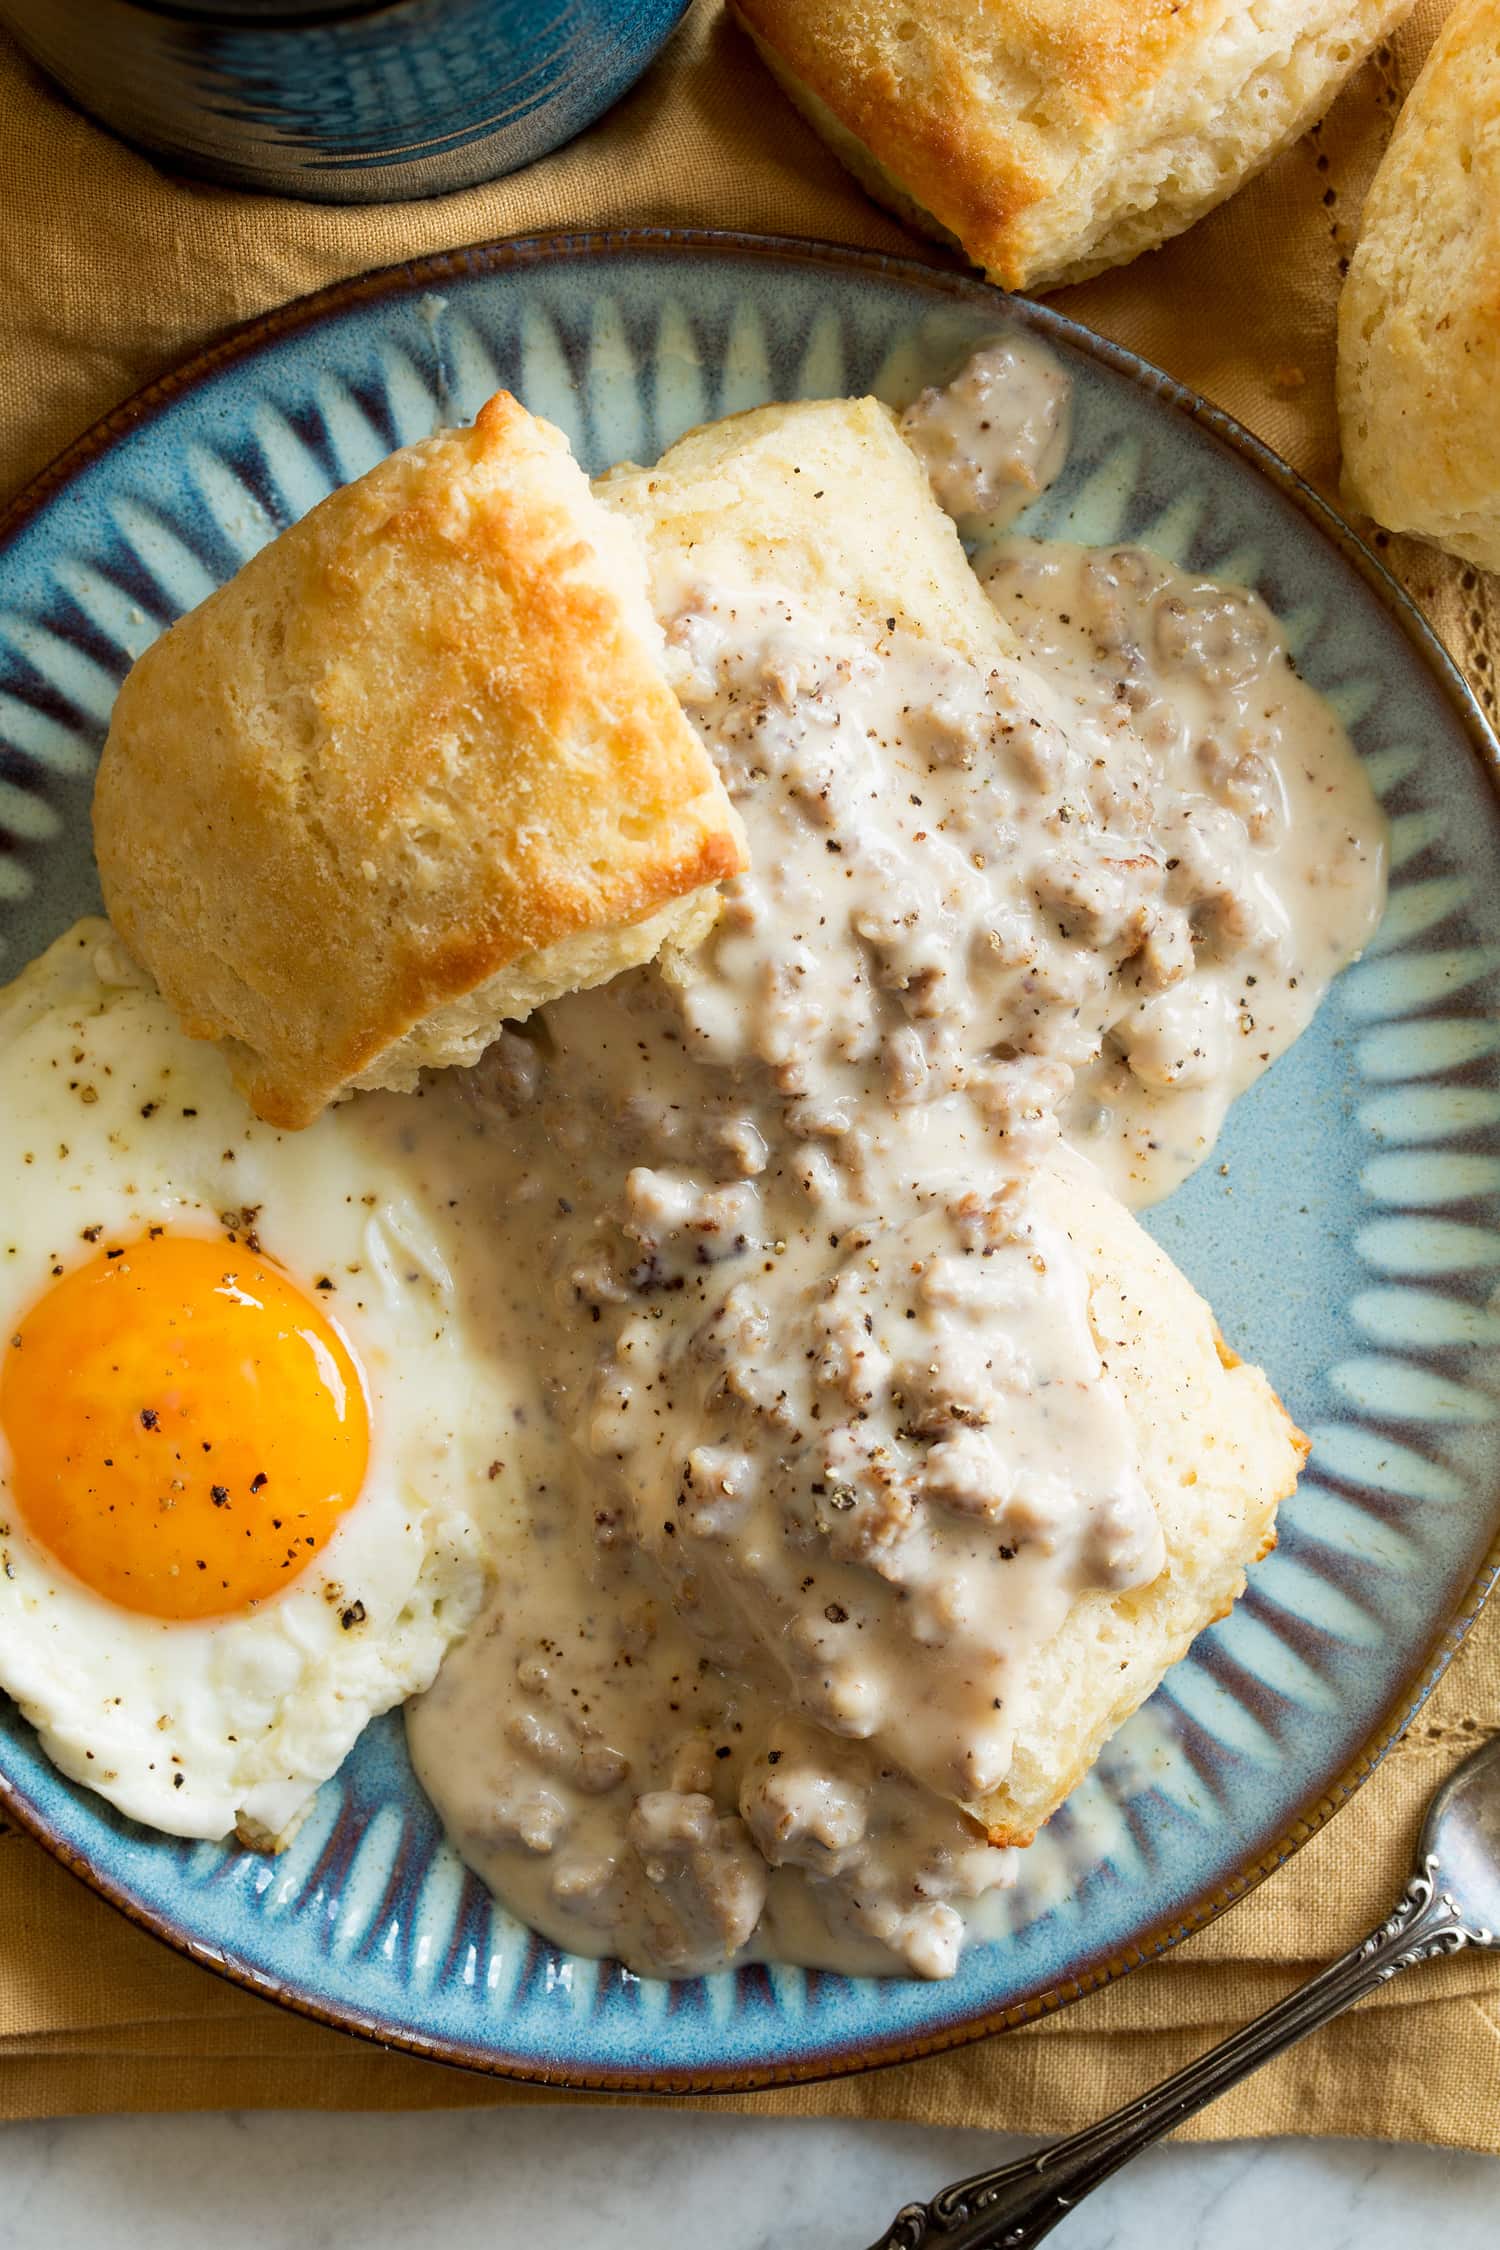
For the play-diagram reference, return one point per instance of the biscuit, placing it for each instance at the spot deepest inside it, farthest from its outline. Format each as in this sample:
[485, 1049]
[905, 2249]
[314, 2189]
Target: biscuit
[823, 499]
[415, 769]
[1049, 139]
[825, 502]
[1217, 1454]
[1419, 320]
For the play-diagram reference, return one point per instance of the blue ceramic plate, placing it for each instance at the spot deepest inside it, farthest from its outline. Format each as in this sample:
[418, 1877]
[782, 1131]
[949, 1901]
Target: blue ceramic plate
[1350, 1245]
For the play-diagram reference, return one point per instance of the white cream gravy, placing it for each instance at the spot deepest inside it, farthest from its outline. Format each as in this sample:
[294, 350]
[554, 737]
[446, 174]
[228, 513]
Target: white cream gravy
[810, 1438]
[996, 435]
[1267, 849]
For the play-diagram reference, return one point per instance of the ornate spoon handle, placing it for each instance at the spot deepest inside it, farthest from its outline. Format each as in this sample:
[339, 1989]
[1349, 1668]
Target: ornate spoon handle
[1019, 2203]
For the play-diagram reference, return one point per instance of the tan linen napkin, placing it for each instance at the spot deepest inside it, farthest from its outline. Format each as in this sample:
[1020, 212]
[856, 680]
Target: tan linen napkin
[113, 271]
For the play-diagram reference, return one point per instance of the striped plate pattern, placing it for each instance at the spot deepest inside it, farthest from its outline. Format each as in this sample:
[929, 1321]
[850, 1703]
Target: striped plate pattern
[1346, 1235]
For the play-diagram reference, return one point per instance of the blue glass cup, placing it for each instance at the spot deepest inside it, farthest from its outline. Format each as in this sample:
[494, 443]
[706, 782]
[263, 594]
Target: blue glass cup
[369, 101]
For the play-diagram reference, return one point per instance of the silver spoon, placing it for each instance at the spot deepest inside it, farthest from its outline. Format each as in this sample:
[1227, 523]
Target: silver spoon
[1452, 1900]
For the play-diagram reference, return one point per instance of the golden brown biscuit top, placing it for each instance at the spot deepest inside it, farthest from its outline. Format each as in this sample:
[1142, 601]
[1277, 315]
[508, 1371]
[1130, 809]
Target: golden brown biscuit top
[421, 735]
[1052, 137]
[970, 104]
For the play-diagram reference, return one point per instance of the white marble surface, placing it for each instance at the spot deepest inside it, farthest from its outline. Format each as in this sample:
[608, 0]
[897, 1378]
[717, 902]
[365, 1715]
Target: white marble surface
[634, 2180]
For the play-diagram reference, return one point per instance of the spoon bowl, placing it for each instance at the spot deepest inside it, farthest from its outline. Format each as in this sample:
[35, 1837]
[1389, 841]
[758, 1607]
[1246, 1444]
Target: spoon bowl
[1460, 1843]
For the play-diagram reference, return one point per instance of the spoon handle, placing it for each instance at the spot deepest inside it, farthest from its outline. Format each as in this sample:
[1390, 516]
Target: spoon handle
[1019, 2203]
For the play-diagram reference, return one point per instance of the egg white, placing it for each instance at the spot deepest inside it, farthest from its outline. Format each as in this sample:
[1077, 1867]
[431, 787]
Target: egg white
[111, 1118]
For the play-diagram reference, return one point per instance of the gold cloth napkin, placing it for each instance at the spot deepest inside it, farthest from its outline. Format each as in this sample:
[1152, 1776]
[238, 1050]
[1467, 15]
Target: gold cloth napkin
[113, 271]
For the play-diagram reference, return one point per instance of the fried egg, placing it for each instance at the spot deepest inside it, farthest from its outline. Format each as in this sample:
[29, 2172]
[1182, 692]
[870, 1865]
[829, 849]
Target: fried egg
[234, 1391]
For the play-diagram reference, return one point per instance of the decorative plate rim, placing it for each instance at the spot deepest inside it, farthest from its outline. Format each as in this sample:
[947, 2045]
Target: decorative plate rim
[1095, 1970]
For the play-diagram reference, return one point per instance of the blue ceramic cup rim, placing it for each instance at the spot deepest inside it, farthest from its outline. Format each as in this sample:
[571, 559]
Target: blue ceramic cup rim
[429, 274]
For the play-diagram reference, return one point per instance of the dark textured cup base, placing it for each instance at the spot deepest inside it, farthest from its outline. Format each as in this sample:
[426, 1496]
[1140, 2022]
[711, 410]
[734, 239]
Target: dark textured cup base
[415, 98]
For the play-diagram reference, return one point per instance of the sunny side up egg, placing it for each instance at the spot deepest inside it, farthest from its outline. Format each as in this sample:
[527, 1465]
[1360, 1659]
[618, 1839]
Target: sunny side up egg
[236, 1397]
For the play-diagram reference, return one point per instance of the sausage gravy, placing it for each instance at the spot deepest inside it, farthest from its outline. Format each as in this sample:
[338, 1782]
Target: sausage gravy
[811, 1440]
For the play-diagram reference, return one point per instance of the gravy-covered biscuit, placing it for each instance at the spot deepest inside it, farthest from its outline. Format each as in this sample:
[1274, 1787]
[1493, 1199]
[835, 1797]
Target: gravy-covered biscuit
[805, 501]
[822, 498]
[414, 770]
[1217, 1452]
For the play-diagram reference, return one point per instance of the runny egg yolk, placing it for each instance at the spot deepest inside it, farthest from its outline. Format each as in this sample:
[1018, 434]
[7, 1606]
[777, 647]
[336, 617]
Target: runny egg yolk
[184, 1426]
